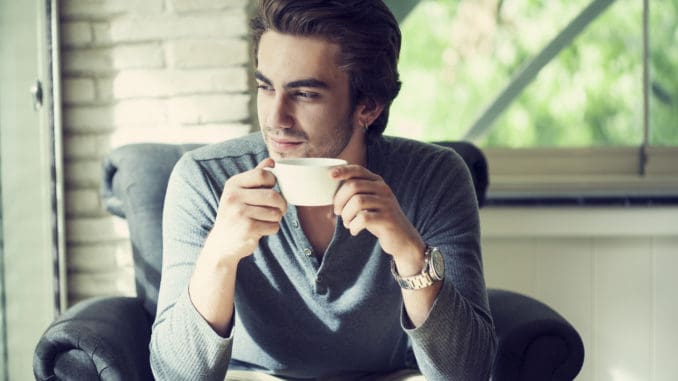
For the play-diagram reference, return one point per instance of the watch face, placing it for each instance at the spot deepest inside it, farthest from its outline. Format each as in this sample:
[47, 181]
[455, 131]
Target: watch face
[437, 263]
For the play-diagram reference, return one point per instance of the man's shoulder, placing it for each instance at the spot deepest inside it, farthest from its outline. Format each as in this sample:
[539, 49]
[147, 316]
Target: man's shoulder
[247, 146]
[222, 160]
[399, 148]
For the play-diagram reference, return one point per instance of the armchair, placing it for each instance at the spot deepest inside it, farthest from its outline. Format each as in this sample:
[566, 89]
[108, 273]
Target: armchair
[106, 338]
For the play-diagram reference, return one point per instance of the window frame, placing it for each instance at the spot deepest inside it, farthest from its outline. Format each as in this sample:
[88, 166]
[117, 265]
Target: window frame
[596, 172]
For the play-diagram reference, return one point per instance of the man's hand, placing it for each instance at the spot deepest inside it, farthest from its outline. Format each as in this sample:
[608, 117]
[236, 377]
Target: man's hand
[248, 209]
[365, 201]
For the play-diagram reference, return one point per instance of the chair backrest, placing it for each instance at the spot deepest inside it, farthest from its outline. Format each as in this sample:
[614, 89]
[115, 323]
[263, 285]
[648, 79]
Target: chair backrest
[133, 187]
[477, 164]
[134, 181]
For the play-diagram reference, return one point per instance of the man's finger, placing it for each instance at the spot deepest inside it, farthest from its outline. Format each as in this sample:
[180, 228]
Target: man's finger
[346, 172]
[265, 197]
[257, 177]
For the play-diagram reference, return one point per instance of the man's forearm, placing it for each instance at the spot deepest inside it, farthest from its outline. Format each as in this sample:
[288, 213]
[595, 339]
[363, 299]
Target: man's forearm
[418, 303]
[212, 288]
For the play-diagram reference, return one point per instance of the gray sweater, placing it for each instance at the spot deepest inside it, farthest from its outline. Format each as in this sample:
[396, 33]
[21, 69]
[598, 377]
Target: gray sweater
[301, 317]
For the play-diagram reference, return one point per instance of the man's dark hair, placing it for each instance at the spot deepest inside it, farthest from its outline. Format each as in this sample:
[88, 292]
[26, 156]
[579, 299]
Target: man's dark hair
[365, 30]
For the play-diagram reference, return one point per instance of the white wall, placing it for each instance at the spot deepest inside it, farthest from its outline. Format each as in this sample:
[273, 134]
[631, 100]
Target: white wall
[609, 271]
[152, 70]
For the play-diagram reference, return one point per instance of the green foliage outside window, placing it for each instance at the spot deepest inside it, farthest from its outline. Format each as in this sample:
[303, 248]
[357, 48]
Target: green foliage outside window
[458, 55]
[664, 72]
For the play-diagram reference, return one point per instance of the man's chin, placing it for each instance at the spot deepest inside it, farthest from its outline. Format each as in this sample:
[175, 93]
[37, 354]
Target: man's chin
[285, 154]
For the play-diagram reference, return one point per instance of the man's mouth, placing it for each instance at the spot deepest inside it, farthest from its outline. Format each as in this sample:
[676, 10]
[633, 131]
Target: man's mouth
[284, 144]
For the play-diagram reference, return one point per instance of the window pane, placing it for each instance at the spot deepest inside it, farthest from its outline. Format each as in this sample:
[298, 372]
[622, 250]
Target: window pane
[458, 55]
[663, 72]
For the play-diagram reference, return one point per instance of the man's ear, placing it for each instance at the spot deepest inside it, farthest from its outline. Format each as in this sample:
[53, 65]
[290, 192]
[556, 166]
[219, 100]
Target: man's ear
[367, 111]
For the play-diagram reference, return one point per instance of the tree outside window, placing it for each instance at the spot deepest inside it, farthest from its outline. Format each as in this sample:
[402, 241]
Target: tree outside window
[458, 55]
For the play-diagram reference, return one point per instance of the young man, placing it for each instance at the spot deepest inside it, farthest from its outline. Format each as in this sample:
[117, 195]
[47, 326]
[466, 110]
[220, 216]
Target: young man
[387, 278]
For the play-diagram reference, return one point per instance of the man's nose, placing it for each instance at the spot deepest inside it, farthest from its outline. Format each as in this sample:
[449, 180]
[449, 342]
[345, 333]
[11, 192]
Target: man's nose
[280, 115]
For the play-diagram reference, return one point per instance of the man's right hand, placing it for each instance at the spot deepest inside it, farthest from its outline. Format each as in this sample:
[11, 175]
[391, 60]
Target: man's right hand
[249, 209]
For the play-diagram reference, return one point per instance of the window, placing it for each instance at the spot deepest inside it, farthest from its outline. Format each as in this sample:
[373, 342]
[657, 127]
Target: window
[555, 92]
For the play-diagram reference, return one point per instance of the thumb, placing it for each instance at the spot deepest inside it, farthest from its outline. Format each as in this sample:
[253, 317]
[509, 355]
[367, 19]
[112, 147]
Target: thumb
[268, 162]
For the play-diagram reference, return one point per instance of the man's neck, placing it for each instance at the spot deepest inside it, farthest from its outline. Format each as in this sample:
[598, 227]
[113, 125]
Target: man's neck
[318, 223]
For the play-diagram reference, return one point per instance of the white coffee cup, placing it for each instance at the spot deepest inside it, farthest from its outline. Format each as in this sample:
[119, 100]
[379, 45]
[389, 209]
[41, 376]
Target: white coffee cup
[306, 181]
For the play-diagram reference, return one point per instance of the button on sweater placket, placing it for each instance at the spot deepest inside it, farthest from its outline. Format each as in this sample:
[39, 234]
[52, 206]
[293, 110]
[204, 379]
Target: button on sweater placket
[320, 285]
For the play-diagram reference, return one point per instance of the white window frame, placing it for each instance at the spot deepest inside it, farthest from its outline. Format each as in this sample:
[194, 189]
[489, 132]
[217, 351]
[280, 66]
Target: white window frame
[582, 172]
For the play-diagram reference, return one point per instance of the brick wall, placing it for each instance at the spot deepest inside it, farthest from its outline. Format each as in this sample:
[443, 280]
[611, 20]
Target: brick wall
[142, 70]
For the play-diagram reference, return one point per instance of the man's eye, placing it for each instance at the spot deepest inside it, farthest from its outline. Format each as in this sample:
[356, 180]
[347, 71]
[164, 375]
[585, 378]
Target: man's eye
[264, 87]
[307, 95]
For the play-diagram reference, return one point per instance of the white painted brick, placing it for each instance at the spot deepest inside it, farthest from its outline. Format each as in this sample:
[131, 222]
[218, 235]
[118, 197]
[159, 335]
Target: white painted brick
[96, 229]
[158, 83]
[100, 256]
[78, 90]
[200, 5]
[202, 109]
[88, 61]
[88, 118]
[83, 202]
[117, 282]
[108, 43]
[138, 56]
[140, 112]
[164, 27]
[96, 119]
[210, 133]
[101, 32]
[82, 174]
[104, 88]
[86, 146]
[196, 53]
[108, 8]
[76, 33]
[79, 146]
[105, 60]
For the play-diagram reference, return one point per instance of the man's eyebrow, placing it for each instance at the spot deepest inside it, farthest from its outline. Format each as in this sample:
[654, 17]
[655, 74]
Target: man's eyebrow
[261, 77]
[306, 82]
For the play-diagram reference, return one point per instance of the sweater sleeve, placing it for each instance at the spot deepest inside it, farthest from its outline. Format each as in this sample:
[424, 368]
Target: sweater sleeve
[183, 345]
[457, 339]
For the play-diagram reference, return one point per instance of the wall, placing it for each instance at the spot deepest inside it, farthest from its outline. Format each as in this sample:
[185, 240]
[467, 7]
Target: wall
[609, 271]
[152, 70]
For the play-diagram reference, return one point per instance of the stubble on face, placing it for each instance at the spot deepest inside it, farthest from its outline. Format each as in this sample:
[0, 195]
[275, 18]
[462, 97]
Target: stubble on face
[328, 142]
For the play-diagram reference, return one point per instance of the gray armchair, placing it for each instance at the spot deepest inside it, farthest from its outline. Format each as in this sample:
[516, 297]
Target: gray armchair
[107, 338]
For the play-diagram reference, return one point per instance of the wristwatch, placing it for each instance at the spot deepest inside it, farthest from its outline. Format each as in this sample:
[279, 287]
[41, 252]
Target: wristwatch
[433, 271]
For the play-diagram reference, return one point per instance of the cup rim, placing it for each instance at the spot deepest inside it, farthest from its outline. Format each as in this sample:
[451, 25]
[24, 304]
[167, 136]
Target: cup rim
[311, 162]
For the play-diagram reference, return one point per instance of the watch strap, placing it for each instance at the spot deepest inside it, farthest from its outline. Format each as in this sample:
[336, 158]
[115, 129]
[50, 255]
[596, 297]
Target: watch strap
[418, 281]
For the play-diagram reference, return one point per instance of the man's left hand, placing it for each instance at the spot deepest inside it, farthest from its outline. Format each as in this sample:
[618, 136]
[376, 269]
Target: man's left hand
[365, 201]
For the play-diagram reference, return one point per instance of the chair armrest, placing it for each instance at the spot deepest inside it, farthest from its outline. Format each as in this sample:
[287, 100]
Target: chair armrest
[534, 341]
[101, 338]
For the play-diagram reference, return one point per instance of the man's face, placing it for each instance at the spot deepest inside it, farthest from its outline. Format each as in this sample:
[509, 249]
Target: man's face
[303, 98]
